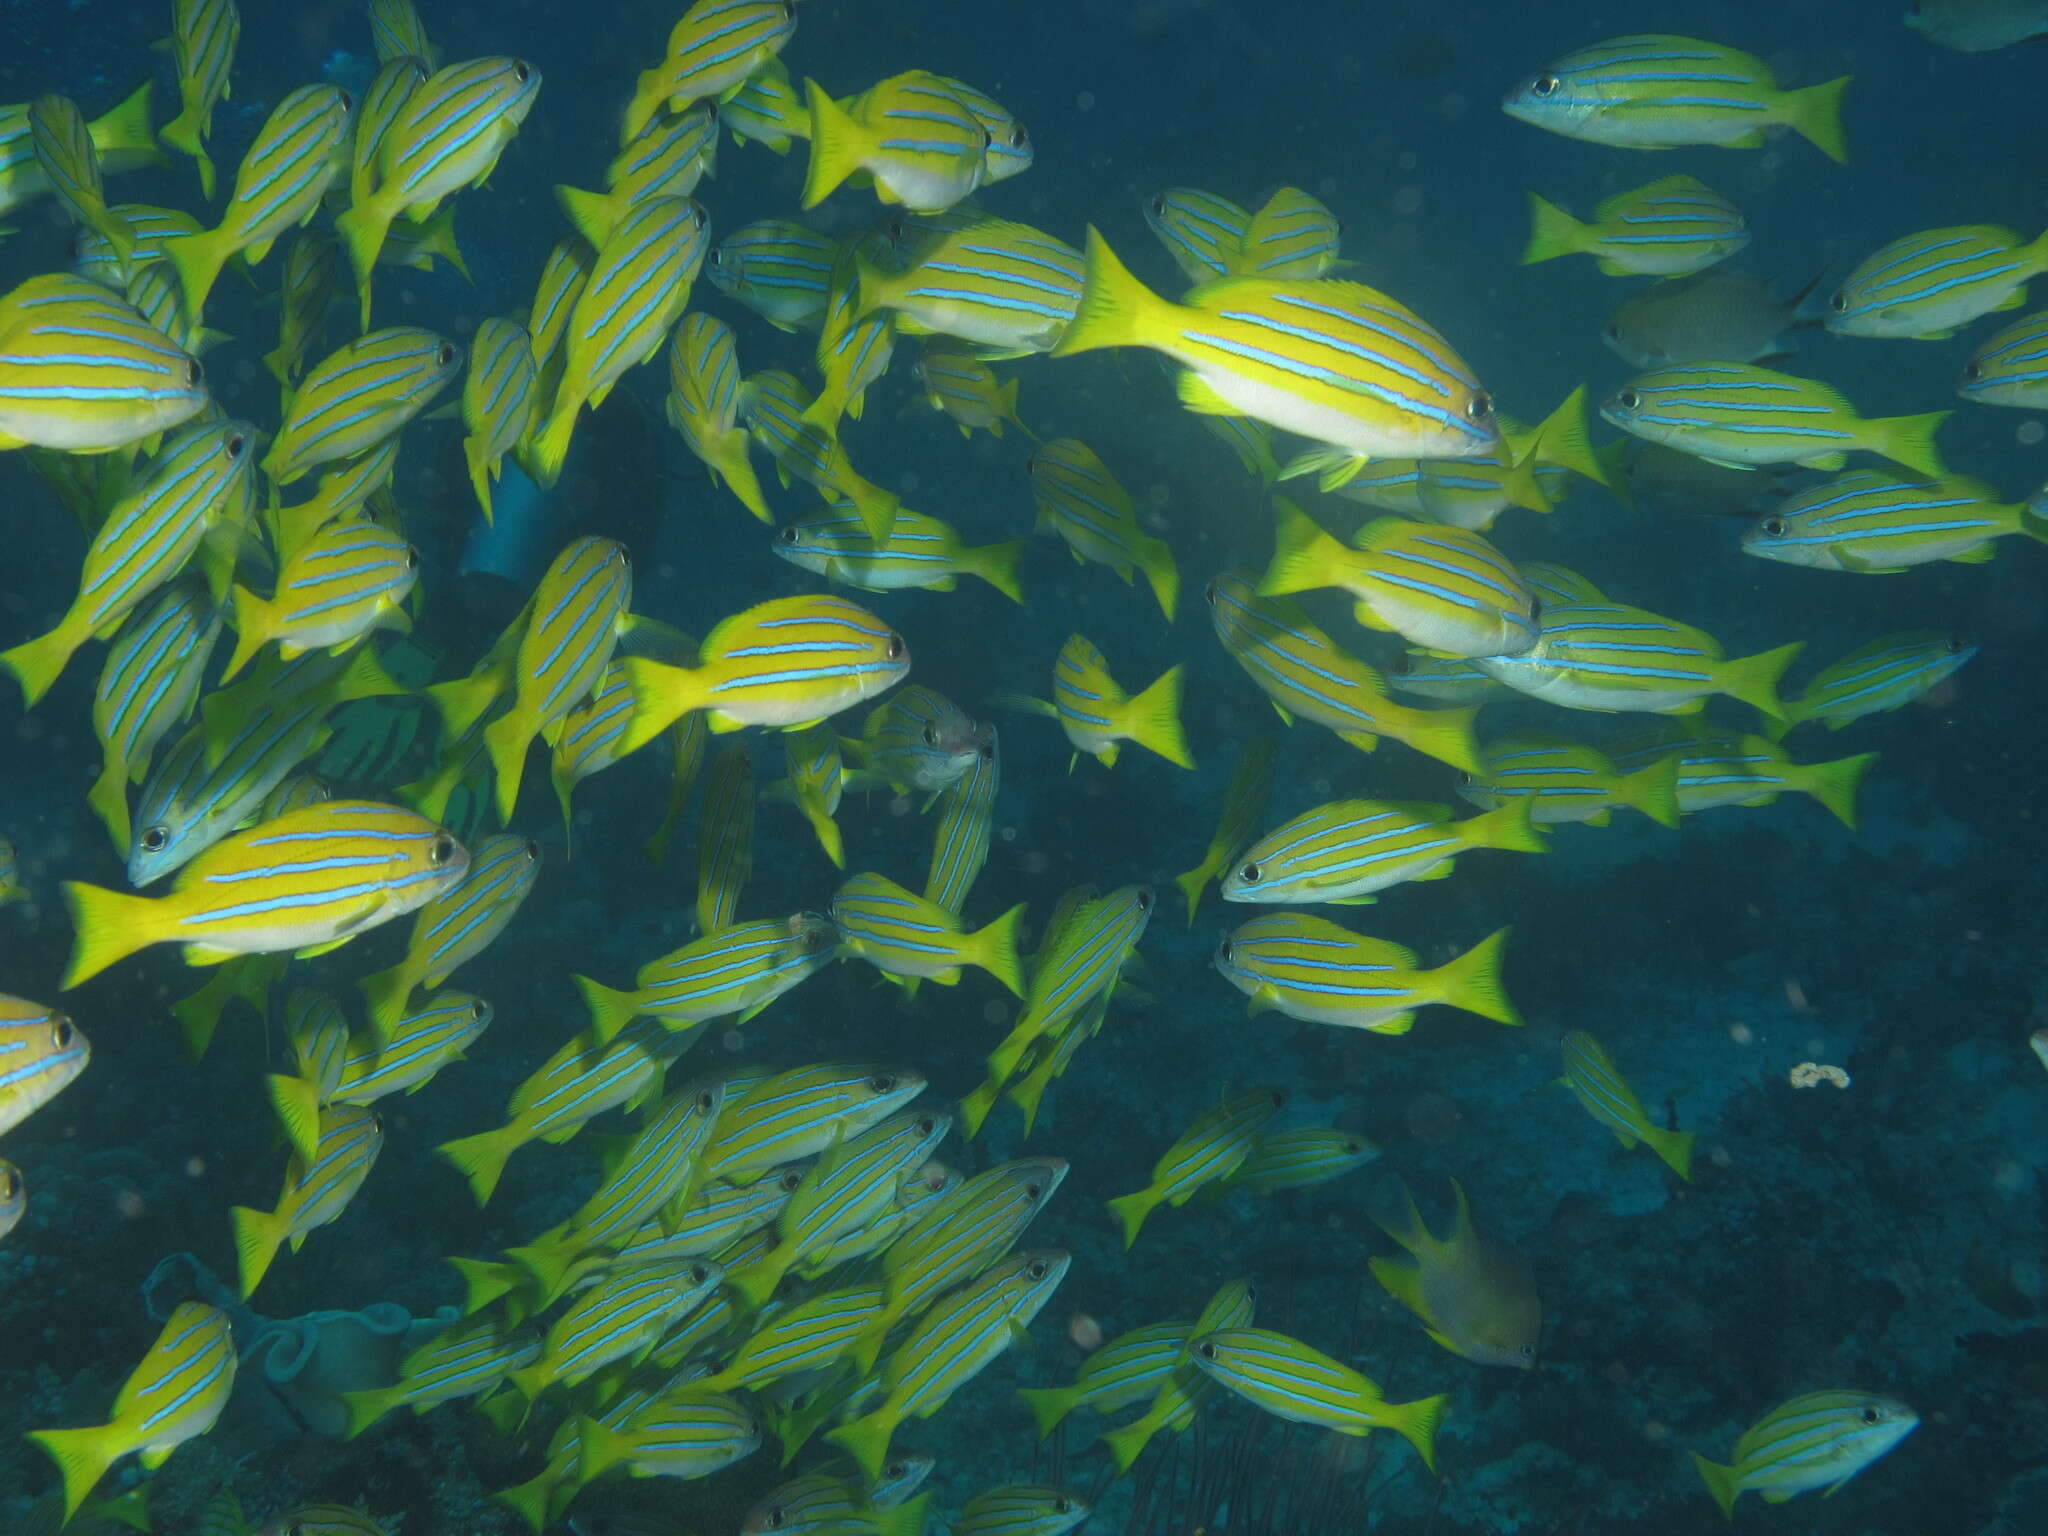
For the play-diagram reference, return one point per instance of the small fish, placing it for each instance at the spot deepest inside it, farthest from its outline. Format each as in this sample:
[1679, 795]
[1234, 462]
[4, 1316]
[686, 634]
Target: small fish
[1021, 1509]
[690, 1433]
[498, 401]
[1202, 232]
[1665, 481]
[1748, 770]
[465, 1359]
[725, 837]
[1590, 1074]
[1927, 286]
[1346, 850]
[786, 662]
[175, 1394]
[767, 110]
[1186, 1387]
[11, 888]
[1818, 1440]
[1888, 673]
[306, 293]
[203, 38]
[778, 268]
[902, 934]
[349, 579]
[1669, 228]
[397, 31]
[950, 1345]
[325, 1520]
[449, 136]
[637, 290]
[1311, 969]
[1008, 290]
[1333, 361]
[711, 51]
[920, 741]
[1566, 781]
[1875, 523]
[121, 137]
[920, 143]
[2011, 368]
[623, 1314]
[357, 486]
[280, 182]
[704, 406]
[1297, 1158]
[816, 782]
[1006, 150]
[397, 80]
[1294, 1382]
[961, 843]
[13, 1198]
[316, 1191]
[919, 552]
[456, 926]
[82, 370]
[1445, 589]
[589, 739]
[1655, 91]
[70, 162]
[150, 226]
[854, 349]
[41, 1054]
[808, 1336]
[1244, 807]
[802, 1112]
[967, 390]
[1098, 715]
[1081, 502]
[777, 411]
[1740, 414]
[668, 158]
[1251, 441]
[1128, 1369]
[199, 481]
[563, 277]
[1291, 236]
[1613, 657]
[1214, 1143]
[1716, 316]
[1977, 26]
[358, 395]
[311, 880]
[1307, 676]
[1476, 1296]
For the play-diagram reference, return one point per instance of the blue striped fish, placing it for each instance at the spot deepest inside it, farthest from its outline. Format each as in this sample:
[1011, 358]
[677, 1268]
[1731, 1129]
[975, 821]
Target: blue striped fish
[81, 370]
[589, 739]
[358, 395]
[1009, 289]
[149, 226]
[917, 1192]
[1292, 1381]
[778, 268]
[1244, 807]
[921, 742]
[465, 1359]
[579, 608]
[1738, 413]
[281, 180]
[1818, 1440]
[712, 49]
[919, 142]
[1613, 657]
[1671, 227]
[344, 490]
[1084, 959]
[739, 969]
[961, 842]
[902, 934]
[1007, 150]
[725, 837]
[305, 296]
[966, 389]
[310, 880]
[766, 109]
[1098, 715]
[317, 1034]
[396, 31]
[563, 276]
[1445, 589]
[637, 289]
[316, 1191]
[1344, 851]
[1656, 91]
[1291, 236]
[1083, 503]
[2011, 368]
[776, 409]
[1887, 673]
[1185, 1390]
[809, 1336]
[390, 89]
[688, 1433]
[121, 137]
[1334, 361]
[1214, 1143]
[816, 781]
[175, 1394]
[1201, 231]
[800, 1113]
[1590, 1074]
[498, 401]
[668, 158]
[1728, 769]
[615, 1318]
[1929, 285]
[449, 136]
[785, 662]
[420, 1045]
[1297, 1157]
[201, 790]
[854, 349]
[70, 163]
[1875, 523]
[200, 481]
[1308, 676]
[919, 552]
[149, 684]
[1567, 781]
[350, 578]
[457, 926]
[704, 406]
[1311, 969]
[1021, 1509]
[1129, 1368]
[950, 1345]
[41, 1054]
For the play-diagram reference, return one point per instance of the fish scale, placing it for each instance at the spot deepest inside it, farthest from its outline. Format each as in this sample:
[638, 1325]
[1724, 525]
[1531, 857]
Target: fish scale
[738, 969]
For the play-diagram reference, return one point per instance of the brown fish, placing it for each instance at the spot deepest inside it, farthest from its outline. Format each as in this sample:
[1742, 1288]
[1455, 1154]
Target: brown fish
[1715, 316]
[1475, 1294]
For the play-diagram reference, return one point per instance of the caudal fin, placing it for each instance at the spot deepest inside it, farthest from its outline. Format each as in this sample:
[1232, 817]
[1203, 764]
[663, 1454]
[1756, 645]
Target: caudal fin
[1508, 828]
[108, 926]
[1563, 440]
[296, 1101]
[1131, 1210]
[1754, 679]
[252, 618]
[1304, 557]
[1834, 784]
[1116, 310]
[197, 259]
[866, 1439]
[386, 993]
[1909, 440]
[1155, 559]
[996, 564]
[837, 145]
[258, 1236]
[1816, 114]
[1152, 719]
[1552, 233]
[481, 1160]
[38, 663]
[1446, 735]
[1048, 1405]
[1472, 981]
[1652, 790]
[610, 1009]
[662, 695]
[1416, 1423]
[507, 738]
[1724, 1483]
[995, 949]
[82, 1457]
[1675, 1147]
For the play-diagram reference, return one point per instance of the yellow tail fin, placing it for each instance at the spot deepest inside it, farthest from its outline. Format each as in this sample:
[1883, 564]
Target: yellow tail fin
[1552, 233]
[109, 926]
[1152, 719]
[1653, 791]
[1444, 734]
[996, 564]
[253, 620]
[1507, 828]
[38, 663]
[837, 145]
[1816, 113]
[1116, 309]
[1131, 1210]
[297, 1103]
[258, 1236]
[1834, 784]
[1155, 559]
[1472, 981]
[481, 1159]
[82, 1457]
[1304, 557]
[507, 738]
[610, 1010]
[1909, 440]
[1416, 1423]
[1753, 680]
[1724, 1483]
[995, 949]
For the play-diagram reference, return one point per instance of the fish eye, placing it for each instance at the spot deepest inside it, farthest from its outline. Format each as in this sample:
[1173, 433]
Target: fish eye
[988, 138]
[1207, 1351]
[1037, 1267]
[704, 1103]
[442, 849]
[522, 71]
[446, 355]
[931, 736]
[1628, 399]
[348, 102]
[1972, 372]
[1144, 901]
[237, 444]
[1957, 645]
[790, 1182]
[1031, 1191]
[1019, 139]
[532, 851]
[412, 558]
[882, 1082]
[10, 1185]
[1611, 331]
[926, 1126]
[1479, 407]
[776, 1519]
[1772, 527]
[1544, 85]
[1209, 594]
[699, 1275]
[194, 374]
[154, 839]
[1223, 951]
[478, 1009]
[1158, 205]
[1840, 302]
[895, 648]
[1869, 1415]
[62, 1033]
[788, 535]
[1249, 874]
